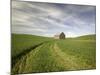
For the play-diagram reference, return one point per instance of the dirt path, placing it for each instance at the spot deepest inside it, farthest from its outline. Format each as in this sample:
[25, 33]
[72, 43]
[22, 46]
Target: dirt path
[46, 57]
[20, 62]
[67, 61]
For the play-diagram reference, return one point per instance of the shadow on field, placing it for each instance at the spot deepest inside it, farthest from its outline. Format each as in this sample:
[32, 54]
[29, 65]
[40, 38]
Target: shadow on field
[26, 51]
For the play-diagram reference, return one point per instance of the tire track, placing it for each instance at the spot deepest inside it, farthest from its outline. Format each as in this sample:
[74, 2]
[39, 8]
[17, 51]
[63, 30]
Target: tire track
[18, 62]
[67, 61]
[54, 59]
[33, 62]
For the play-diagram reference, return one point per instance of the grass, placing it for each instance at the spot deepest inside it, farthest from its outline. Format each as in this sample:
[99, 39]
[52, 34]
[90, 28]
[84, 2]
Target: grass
[83, 50]
[52, 55]
[21, 42]
[87, 37]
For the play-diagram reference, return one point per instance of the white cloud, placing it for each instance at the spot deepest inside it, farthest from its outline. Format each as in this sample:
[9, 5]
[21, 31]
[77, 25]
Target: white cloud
[47, 18]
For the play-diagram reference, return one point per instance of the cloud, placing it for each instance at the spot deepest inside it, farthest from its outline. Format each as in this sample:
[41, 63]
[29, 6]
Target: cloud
[47, 19]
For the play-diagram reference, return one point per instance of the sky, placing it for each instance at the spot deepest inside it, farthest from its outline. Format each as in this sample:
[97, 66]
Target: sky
[48, 19]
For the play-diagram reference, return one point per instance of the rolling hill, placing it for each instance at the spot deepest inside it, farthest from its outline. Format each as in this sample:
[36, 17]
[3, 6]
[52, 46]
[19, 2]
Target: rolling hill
[33, 54]
[87, 37]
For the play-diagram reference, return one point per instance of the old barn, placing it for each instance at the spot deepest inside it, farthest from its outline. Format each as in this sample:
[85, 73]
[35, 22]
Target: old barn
[60, 36]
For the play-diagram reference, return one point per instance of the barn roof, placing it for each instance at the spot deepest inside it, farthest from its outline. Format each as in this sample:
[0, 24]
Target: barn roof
[58, 34]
